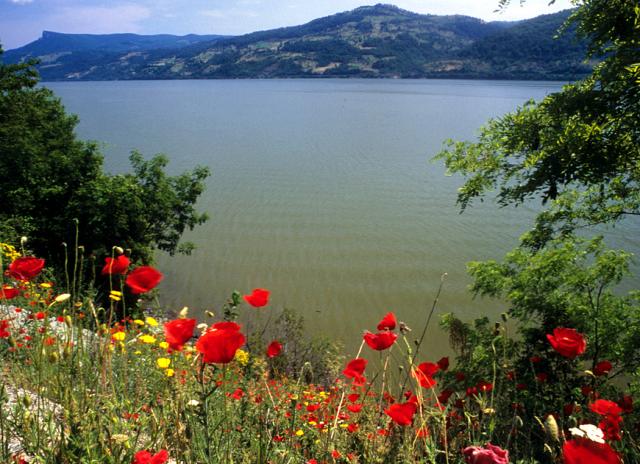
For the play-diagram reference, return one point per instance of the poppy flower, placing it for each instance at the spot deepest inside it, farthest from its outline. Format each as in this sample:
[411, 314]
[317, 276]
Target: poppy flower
[220, 345]
[178, 332]
[7, 292]
[25, 268]
[226, 325]
[355, 370]
[259, 297]
[388, 322]
[355, 407]
[443, 363]
[602, 368]
[605, 407]
[489, 454]
[145, 457]
[424, 374]
[583, 450]
[4, 325]
[402, 414]
[274, 349]
[119, 265]
[143, 279]
[381, 340]
[567, 342]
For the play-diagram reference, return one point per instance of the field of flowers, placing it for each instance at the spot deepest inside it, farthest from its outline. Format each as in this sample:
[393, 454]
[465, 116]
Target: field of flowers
[87, 384]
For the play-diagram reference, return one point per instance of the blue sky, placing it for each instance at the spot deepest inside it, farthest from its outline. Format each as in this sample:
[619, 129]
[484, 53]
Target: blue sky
[22, 21]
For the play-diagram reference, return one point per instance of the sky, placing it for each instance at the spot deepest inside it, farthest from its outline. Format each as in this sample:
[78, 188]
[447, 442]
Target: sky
[22, 21]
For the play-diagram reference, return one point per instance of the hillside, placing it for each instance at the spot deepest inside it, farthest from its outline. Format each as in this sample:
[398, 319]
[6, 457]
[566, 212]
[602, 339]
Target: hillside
[370, 41]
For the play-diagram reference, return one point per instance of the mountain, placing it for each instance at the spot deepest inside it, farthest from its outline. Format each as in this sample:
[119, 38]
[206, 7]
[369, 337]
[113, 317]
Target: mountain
[370, 41]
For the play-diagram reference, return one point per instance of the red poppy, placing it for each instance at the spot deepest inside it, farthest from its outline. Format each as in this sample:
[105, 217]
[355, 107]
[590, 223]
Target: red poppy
[356, 407]
[145, 457]
[388, 322]
[274, 349]
[143, 279]
[220, 345]
[484, 386]
[443, 363]
[402, 414]
[355, 370]
[567, 342]
[4, 325]
[178, 332]
[259, 297]
[489, 454]
[583, 451]
[226, 325]
[602, 368]
[424, 374]
[25, 268]
[8, 292]
[381, 340]
[605, 407]
[119, 265]
[237, 394]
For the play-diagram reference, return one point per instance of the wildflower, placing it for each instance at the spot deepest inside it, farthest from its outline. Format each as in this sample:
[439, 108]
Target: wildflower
[605, 407]
[380, 341]
[25, 268]
[567, 342]
[602, 368]
[259, 297]
[143, 279]
[7, 292]
[388, 322]
[145, 457]
[4, 325]
[115, 295]
[355, 370]
[242, 357]
[40, 315]
[148, 339]
[237, 394]
[424, 374]
[119, 265]
[589, 431]
[488, 455]
[274, 349]
[583, 450]
[163, 363]
[402, 414]
[151, 322]
[178, 332]
[163, 345]
[611, 421]
[443, 363]
[169, 372]
[138, 322]
[299, 432]
[220, 345]
[118, 336]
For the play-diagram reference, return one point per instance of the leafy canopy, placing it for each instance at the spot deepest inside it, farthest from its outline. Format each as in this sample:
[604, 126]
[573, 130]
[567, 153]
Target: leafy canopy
[52, 181]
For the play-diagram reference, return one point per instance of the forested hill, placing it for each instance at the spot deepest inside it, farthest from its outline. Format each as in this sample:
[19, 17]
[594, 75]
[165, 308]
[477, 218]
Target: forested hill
[370, 41]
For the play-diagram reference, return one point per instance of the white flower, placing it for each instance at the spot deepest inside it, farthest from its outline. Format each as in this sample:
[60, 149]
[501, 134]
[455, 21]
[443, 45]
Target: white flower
[589, 431]
[193, 403]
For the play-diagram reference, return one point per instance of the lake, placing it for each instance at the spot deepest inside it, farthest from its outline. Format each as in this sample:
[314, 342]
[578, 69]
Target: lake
[323, 191]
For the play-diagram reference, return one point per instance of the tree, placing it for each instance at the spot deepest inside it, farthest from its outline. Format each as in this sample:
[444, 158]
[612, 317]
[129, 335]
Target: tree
[53, 183]
[577, 152]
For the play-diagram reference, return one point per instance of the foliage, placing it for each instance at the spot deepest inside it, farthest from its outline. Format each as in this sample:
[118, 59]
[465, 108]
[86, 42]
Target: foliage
[370, 41]
[54, 186]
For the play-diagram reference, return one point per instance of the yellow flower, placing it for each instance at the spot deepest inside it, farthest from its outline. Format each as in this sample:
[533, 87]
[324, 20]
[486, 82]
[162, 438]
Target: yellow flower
[163, 363]
[151, 321]
[242, 357]
[299, 432]
[163, 345]
[46, 285]
[137, 352]
[119, 336]
[169, 372]
[149, 339]
[138, 322]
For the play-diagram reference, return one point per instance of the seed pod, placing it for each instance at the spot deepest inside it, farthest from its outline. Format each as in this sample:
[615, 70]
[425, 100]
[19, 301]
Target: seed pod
[551, 428]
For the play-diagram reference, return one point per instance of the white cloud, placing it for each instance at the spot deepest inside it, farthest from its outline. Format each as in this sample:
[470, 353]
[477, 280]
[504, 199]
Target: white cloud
[21, 2]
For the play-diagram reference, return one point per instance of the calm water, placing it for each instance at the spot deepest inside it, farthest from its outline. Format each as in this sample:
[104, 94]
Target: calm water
[322, 190]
